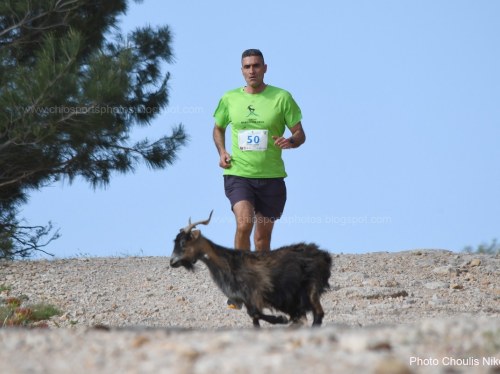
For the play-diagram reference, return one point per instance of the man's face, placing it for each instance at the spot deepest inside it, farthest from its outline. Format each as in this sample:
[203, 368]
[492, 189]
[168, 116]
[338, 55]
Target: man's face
[253, 70]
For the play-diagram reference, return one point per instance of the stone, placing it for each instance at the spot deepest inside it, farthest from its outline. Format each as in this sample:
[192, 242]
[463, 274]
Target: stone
[436, 285]
[391, 366]
[475, 262]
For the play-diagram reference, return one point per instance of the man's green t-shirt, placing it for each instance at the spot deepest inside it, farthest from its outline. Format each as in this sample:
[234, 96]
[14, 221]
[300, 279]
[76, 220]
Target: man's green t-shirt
[254, 120]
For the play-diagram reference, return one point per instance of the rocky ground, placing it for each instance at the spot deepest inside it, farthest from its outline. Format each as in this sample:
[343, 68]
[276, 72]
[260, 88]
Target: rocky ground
[410, 312]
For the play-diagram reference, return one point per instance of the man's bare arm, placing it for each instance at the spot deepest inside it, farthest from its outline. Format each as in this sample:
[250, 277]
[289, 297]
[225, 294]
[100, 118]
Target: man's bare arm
[219, 135]
[296, 140]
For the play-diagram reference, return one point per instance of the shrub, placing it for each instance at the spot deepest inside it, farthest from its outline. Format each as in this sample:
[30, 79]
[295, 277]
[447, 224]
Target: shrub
[14, 313]
[483, 248]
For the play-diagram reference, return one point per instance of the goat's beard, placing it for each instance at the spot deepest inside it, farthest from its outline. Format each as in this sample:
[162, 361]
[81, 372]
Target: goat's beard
[188, 265]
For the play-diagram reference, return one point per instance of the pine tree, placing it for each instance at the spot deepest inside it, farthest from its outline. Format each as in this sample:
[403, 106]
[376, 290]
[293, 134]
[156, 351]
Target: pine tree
[72, 87]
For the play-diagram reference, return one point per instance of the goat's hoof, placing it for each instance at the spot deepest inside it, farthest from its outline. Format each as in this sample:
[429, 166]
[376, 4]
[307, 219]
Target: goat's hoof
[298, 322]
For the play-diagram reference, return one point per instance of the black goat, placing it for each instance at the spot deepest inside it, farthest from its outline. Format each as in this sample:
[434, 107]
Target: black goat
[290, 279]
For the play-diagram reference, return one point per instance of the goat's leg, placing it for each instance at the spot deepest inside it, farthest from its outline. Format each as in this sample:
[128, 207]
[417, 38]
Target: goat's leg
[257, 315]
[317, 309]
[274, 320]
[299, 320]
[318, 316]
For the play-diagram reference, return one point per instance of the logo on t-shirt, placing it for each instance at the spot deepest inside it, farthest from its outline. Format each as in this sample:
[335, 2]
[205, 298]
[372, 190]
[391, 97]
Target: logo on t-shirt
[251, 111]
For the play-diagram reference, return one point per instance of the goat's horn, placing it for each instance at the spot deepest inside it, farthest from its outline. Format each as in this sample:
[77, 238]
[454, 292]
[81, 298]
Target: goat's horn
[191, 226]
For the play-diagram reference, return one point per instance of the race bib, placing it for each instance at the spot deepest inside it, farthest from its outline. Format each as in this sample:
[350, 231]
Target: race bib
[252, 140]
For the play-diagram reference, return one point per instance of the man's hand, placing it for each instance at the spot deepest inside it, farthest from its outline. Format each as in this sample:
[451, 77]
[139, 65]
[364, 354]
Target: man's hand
[282, 142]
[296, 140]
[225, 160]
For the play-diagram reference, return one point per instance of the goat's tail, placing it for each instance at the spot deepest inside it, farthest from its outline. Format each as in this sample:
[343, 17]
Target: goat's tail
[324, 271]
[320, 266]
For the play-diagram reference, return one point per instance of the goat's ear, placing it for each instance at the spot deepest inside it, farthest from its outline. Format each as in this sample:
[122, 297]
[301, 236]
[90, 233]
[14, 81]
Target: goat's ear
[195, 234]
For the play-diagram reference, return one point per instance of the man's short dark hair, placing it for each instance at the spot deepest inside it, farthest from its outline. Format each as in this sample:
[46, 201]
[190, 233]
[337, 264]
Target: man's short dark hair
[252, 52]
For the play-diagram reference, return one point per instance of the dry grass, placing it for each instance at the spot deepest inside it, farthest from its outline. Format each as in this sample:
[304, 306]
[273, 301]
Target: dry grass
[15, 311]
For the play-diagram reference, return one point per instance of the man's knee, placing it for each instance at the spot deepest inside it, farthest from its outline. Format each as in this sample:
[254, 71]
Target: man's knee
[244, 223]
[244, 228]
[244, 214]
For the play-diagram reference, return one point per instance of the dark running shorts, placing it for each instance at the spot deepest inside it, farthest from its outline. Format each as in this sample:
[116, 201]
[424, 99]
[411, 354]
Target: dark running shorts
[267, 195]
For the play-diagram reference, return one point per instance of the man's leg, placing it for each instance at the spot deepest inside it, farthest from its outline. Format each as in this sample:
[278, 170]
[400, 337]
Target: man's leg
[244, 213]
[239, 193]
[269, 205]
[263, 232]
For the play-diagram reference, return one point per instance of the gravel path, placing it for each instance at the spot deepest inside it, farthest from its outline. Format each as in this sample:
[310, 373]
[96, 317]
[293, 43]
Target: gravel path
[409, 312]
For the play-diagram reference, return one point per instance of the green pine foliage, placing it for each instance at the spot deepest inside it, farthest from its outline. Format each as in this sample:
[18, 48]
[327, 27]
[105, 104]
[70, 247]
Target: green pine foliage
[72, 88]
